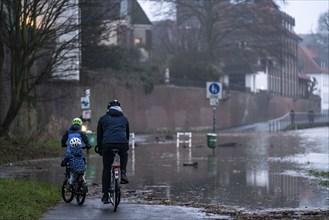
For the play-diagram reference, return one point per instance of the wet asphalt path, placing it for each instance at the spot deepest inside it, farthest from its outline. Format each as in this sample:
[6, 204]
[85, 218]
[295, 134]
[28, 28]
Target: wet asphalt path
[94, 209]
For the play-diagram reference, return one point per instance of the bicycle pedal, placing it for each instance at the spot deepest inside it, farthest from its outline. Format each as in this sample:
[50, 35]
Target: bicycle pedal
[124, 182]
[105, 201]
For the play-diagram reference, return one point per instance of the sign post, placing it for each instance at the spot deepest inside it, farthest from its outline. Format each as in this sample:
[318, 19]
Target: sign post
[86, 116]
[214, 92]
[85, 106]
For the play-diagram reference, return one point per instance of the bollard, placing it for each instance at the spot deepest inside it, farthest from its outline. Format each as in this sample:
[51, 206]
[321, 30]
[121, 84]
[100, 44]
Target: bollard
[132, 139]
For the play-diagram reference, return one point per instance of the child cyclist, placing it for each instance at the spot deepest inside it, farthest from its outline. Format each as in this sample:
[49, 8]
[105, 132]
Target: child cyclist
[75, 131]
[72, 140]
[76, 159]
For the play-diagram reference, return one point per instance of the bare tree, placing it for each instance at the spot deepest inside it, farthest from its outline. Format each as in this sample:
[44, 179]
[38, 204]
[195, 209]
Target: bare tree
[323, 24]
[322, 37]
[320, 40]
[40, 39]
[216, 27]
[232, 32]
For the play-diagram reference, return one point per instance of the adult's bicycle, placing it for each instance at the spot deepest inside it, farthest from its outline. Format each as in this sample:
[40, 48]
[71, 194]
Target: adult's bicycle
[77, 189]
[115, 188]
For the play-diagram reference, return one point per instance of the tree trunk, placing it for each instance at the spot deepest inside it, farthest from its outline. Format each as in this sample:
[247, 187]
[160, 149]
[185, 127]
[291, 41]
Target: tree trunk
[9, 118]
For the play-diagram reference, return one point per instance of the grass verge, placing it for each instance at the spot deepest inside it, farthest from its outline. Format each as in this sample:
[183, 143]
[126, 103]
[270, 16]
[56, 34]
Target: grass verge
[17, 150]
[23, 199]
[323, 174]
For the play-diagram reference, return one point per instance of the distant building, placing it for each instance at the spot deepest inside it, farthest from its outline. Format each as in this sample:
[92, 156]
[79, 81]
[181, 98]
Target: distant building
[69, 67]
[274, 73]
[127, 25]
[317, 73]
[258, 51]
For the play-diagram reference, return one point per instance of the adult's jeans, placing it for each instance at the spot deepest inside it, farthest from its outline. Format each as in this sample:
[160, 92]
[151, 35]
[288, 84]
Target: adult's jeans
[108, 160]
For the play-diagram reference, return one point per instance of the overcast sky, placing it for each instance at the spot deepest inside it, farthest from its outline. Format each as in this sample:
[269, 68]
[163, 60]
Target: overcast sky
[305, 12]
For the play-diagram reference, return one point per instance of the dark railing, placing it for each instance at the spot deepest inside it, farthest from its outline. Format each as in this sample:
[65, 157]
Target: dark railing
[298, 120]
[202, 84]
[187, 83]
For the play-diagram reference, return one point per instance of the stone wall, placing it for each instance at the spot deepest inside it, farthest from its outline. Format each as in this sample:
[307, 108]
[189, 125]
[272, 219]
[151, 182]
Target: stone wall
[186, 108]
[165, 108]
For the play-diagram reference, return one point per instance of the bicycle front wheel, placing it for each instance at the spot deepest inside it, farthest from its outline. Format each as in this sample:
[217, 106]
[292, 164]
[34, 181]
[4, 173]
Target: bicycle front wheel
[116, 195]
[81, 193]
[67, 191]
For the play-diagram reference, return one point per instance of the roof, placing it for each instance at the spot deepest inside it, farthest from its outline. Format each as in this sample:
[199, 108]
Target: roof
[138, 15]
[307, 63]
[303, 76]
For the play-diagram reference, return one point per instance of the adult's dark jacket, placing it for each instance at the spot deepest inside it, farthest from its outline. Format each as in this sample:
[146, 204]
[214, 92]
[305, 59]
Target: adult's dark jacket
[113, 127]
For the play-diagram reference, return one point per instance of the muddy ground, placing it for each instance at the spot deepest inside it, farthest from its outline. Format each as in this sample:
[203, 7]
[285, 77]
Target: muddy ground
[146, 197]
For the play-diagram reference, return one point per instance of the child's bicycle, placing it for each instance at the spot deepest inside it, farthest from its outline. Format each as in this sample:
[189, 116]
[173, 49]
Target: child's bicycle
[78, 189]
[115, 192]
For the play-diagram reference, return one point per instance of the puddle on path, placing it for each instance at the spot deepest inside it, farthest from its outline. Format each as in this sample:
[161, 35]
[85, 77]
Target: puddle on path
[259, 171]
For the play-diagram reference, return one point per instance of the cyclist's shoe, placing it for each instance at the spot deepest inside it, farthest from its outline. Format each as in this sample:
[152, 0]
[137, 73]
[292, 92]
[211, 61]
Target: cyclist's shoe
[124, 179]
[105, 198]
[63, 163]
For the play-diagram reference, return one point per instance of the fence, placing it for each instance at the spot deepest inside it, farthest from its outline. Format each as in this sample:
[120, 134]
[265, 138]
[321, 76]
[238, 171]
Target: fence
[298, 120]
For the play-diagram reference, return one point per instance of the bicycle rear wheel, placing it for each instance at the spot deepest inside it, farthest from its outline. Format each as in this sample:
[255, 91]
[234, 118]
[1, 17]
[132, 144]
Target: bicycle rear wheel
[81, 193]
[116, 195]
[67, 191]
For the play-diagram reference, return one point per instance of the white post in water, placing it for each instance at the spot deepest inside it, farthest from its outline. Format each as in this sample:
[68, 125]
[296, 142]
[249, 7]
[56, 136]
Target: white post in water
[189, 141]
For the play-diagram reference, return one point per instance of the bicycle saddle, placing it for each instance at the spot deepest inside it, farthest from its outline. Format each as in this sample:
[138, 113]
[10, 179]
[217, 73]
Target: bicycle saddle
[115, 151]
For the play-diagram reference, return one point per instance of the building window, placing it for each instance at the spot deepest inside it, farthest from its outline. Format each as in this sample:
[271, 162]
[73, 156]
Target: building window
[325, 98]
[138, 41]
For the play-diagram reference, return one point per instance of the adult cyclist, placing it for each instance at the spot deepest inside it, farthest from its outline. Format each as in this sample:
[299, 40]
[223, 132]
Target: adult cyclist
[113, 133]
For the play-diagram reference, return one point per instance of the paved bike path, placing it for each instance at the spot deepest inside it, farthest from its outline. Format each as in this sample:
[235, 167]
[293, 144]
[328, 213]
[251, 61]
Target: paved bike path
[94, 209]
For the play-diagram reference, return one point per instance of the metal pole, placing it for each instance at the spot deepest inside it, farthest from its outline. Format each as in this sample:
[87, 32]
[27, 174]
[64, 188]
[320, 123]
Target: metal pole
[214, 119]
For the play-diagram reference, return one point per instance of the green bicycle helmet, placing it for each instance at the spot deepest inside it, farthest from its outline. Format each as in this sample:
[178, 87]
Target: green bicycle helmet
[77, 121]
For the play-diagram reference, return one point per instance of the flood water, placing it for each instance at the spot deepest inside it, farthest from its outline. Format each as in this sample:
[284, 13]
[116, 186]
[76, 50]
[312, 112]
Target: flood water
[253, 171]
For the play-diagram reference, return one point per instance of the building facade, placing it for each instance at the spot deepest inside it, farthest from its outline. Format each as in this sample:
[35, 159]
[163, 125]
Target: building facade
[128, 25]
[255, 43]
[318, 75]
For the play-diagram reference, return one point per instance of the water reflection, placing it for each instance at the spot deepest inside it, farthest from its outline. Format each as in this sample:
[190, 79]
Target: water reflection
[212, 164]
[259, 171]
[133, 161]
